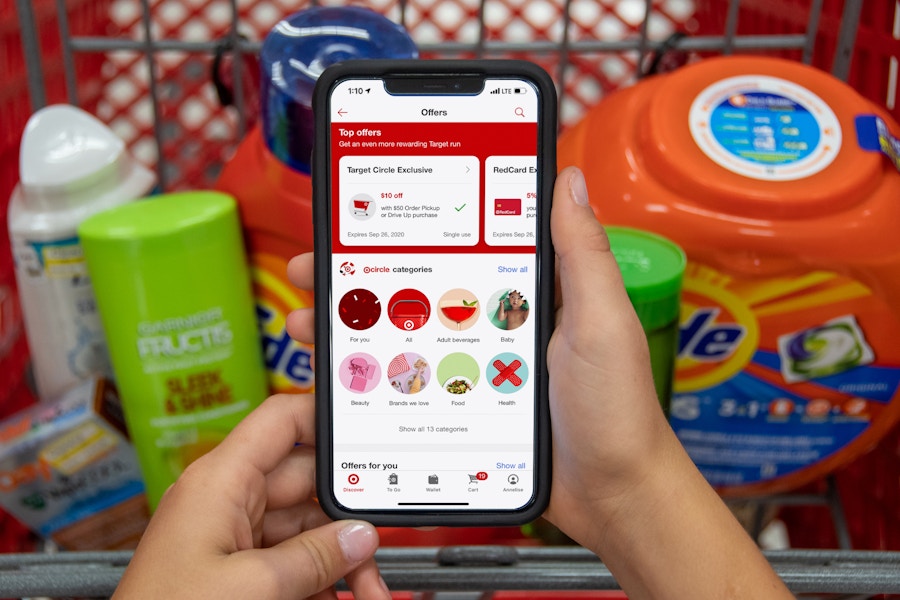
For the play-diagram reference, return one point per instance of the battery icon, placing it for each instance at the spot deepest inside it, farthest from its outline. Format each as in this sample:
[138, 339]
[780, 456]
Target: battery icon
[518, 90]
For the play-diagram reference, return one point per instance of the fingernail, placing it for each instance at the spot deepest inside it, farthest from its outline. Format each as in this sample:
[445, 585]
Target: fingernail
[358, 541]
[578, 188]
[384, 586]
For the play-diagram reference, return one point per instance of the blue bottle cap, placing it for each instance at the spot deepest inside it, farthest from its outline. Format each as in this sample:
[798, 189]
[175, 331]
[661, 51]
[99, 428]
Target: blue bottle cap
[295, 53]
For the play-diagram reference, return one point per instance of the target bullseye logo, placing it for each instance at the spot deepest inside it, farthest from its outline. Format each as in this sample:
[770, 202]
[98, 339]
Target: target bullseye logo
[409, 309]
[353, 479]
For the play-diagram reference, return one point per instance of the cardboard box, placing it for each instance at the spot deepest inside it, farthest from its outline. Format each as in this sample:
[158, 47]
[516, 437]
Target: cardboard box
[68, 471]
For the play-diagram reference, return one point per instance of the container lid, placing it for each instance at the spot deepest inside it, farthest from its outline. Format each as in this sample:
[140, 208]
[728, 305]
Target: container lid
[69, 158]
[162, 224]
[294, 54]
[652, 268]
[760, 137]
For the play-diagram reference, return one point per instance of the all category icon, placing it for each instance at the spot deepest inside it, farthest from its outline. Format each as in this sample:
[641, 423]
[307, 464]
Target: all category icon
[409, 309]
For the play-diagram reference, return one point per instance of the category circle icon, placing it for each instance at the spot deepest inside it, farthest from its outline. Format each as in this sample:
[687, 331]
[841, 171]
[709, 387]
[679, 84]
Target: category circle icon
[359, 309]
[458, 309]
[409, 373]
[359, 372]
[507, 372]
[409, 309]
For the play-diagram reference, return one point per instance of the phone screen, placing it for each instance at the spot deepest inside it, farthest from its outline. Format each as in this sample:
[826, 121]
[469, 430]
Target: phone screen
[435, 341]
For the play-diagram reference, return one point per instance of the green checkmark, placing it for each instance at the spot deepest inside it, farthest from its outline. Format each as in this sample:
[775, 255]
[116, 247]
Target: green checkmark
[459, 208]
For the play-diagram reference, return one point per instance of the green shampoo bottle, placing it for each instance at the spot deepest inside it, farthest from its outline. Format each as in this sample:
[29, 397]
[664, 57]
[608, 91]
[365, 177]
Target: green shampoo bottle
[173, 291]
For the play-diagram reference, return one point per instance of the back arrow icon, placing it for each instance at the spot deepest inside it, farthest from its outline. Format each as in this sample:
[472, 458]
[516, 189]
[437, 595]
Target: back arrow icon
[341, 112]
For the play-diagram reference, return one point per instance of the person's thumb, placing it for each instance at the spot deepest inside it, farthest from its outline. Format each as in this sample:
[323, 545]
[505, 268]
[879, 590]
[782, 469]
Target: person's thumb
[315, 559]
[589, 276]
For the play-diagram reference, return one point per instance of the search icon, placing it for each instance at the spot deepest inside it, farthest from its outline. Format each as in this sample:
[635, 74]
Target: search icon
[520, 112]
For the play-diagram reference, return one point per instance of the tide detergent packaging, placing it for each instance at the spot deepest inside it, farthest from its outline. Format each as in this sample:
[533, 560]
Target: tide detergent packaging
[781, 184]
[269, 174]
[69, 472]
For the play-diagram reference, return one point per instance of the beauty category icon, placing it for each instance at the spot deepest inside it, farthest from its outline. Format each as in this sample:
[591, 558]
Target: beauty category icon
[458, 373]
[509, 309]
[507, 372]
[362, 207]
[408, 373]
[409, 309]
[359, 309]
[459, 309]
[359, 372]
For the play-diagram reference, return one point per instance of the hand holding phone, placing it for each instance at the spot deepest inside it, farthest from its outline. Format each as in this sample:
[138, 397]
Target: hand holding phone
[434, 290]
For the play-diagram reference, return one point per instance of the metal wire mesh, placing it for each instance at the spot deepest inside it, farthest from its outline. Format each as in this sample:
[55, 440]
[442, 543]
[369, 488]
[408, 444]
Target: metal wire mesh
[156, 88]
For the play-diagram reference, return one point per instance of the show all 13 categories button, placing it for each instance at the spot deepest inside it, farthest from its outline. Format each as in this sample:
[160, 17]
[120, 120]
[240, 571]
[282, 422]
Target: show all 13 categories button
[409, 200]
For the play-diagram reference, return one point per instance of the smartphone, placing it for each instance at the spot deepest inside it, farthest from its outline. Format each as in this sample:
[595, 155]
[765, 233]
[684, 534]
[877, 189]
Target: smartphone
[434, 290]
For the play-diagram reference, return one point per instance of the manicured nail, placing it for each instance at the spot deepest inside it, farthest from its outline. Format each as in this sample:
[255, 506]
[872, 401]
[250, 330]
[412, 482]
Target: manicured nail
[358, 541]
[578, 188]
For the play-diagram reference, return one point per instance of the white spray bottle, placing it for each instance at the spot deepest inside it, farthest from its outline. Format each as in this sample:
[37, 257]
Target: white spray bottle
[71, 166]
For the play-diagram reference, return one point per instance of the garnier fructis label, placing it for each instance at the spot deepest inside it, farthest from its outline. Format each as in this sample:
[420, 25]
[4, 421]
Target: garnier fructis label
[777, 377]
[173, 289]
[195, 359]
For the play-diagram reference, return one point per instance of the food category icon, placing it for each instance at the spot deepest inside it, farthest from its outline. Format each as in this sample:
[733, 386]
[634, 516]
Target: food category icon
[458, 373]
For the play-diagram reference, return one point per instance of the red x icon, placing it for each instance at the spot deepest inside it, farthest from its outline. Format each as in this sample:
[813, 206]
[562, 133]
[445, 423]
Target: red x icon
[507, 372]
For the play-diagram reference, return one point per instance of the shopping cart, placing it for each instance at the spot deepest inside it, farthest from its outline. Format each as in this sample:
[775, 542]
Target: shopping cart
[146, 69]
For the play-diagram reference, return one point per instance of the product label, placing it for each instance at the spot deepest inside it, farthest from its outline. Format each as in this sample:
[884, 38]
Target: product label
[872, 134]
[64, 329]
[289, 363]
[198, 339]
[774, 376]
[765, 128]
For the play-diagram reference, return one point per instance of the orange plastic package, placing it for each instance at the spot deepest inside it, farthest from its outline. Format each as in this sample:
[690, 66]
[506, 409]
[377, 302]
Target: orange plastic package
[275, 204]
[781, 184]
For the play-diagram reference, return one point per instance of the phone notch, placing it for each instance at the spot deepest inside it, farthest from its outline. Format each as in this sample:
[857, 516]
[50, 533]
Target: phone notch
[442, 85]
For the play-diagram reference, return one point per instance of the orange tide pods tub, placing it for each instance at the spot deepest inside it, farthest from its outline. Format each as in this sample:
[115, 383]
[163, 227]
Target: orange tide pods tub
[781, 184]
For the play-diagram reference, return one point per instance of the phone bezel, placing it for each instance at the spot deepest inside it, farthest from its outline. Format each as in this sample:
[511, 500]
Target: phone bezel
[439, 71]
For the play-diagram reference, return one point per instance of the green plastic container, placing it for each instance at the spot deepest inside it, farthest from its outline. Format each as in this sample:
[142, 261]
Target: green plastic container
[173, 291]
[653, 268]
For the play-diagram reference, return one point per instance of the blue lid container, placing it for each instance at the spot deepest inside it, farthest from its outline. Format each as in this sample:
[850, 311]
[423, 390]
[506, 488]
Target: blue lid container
[294, 54]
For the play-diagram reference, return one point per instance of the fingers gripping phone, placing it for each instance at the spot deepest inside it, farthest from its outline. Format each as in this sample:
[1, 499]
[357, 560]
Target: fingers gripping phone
[434, 290]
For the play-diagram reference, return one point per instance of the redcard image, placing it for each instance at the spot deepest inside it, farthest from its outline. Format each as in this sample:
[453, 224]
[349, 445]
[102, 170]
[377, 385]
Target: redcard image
[508, 206]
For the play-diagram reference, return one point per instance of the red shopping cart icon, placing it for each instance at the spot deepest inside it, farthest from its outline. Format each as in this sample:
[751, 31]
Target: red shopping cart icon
[361, 207]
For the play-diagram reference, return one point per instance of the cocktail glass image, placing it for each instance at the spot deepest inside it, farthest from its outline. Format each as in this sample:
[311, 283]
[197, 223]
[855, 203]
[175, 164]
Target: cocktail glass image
[458, 309]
